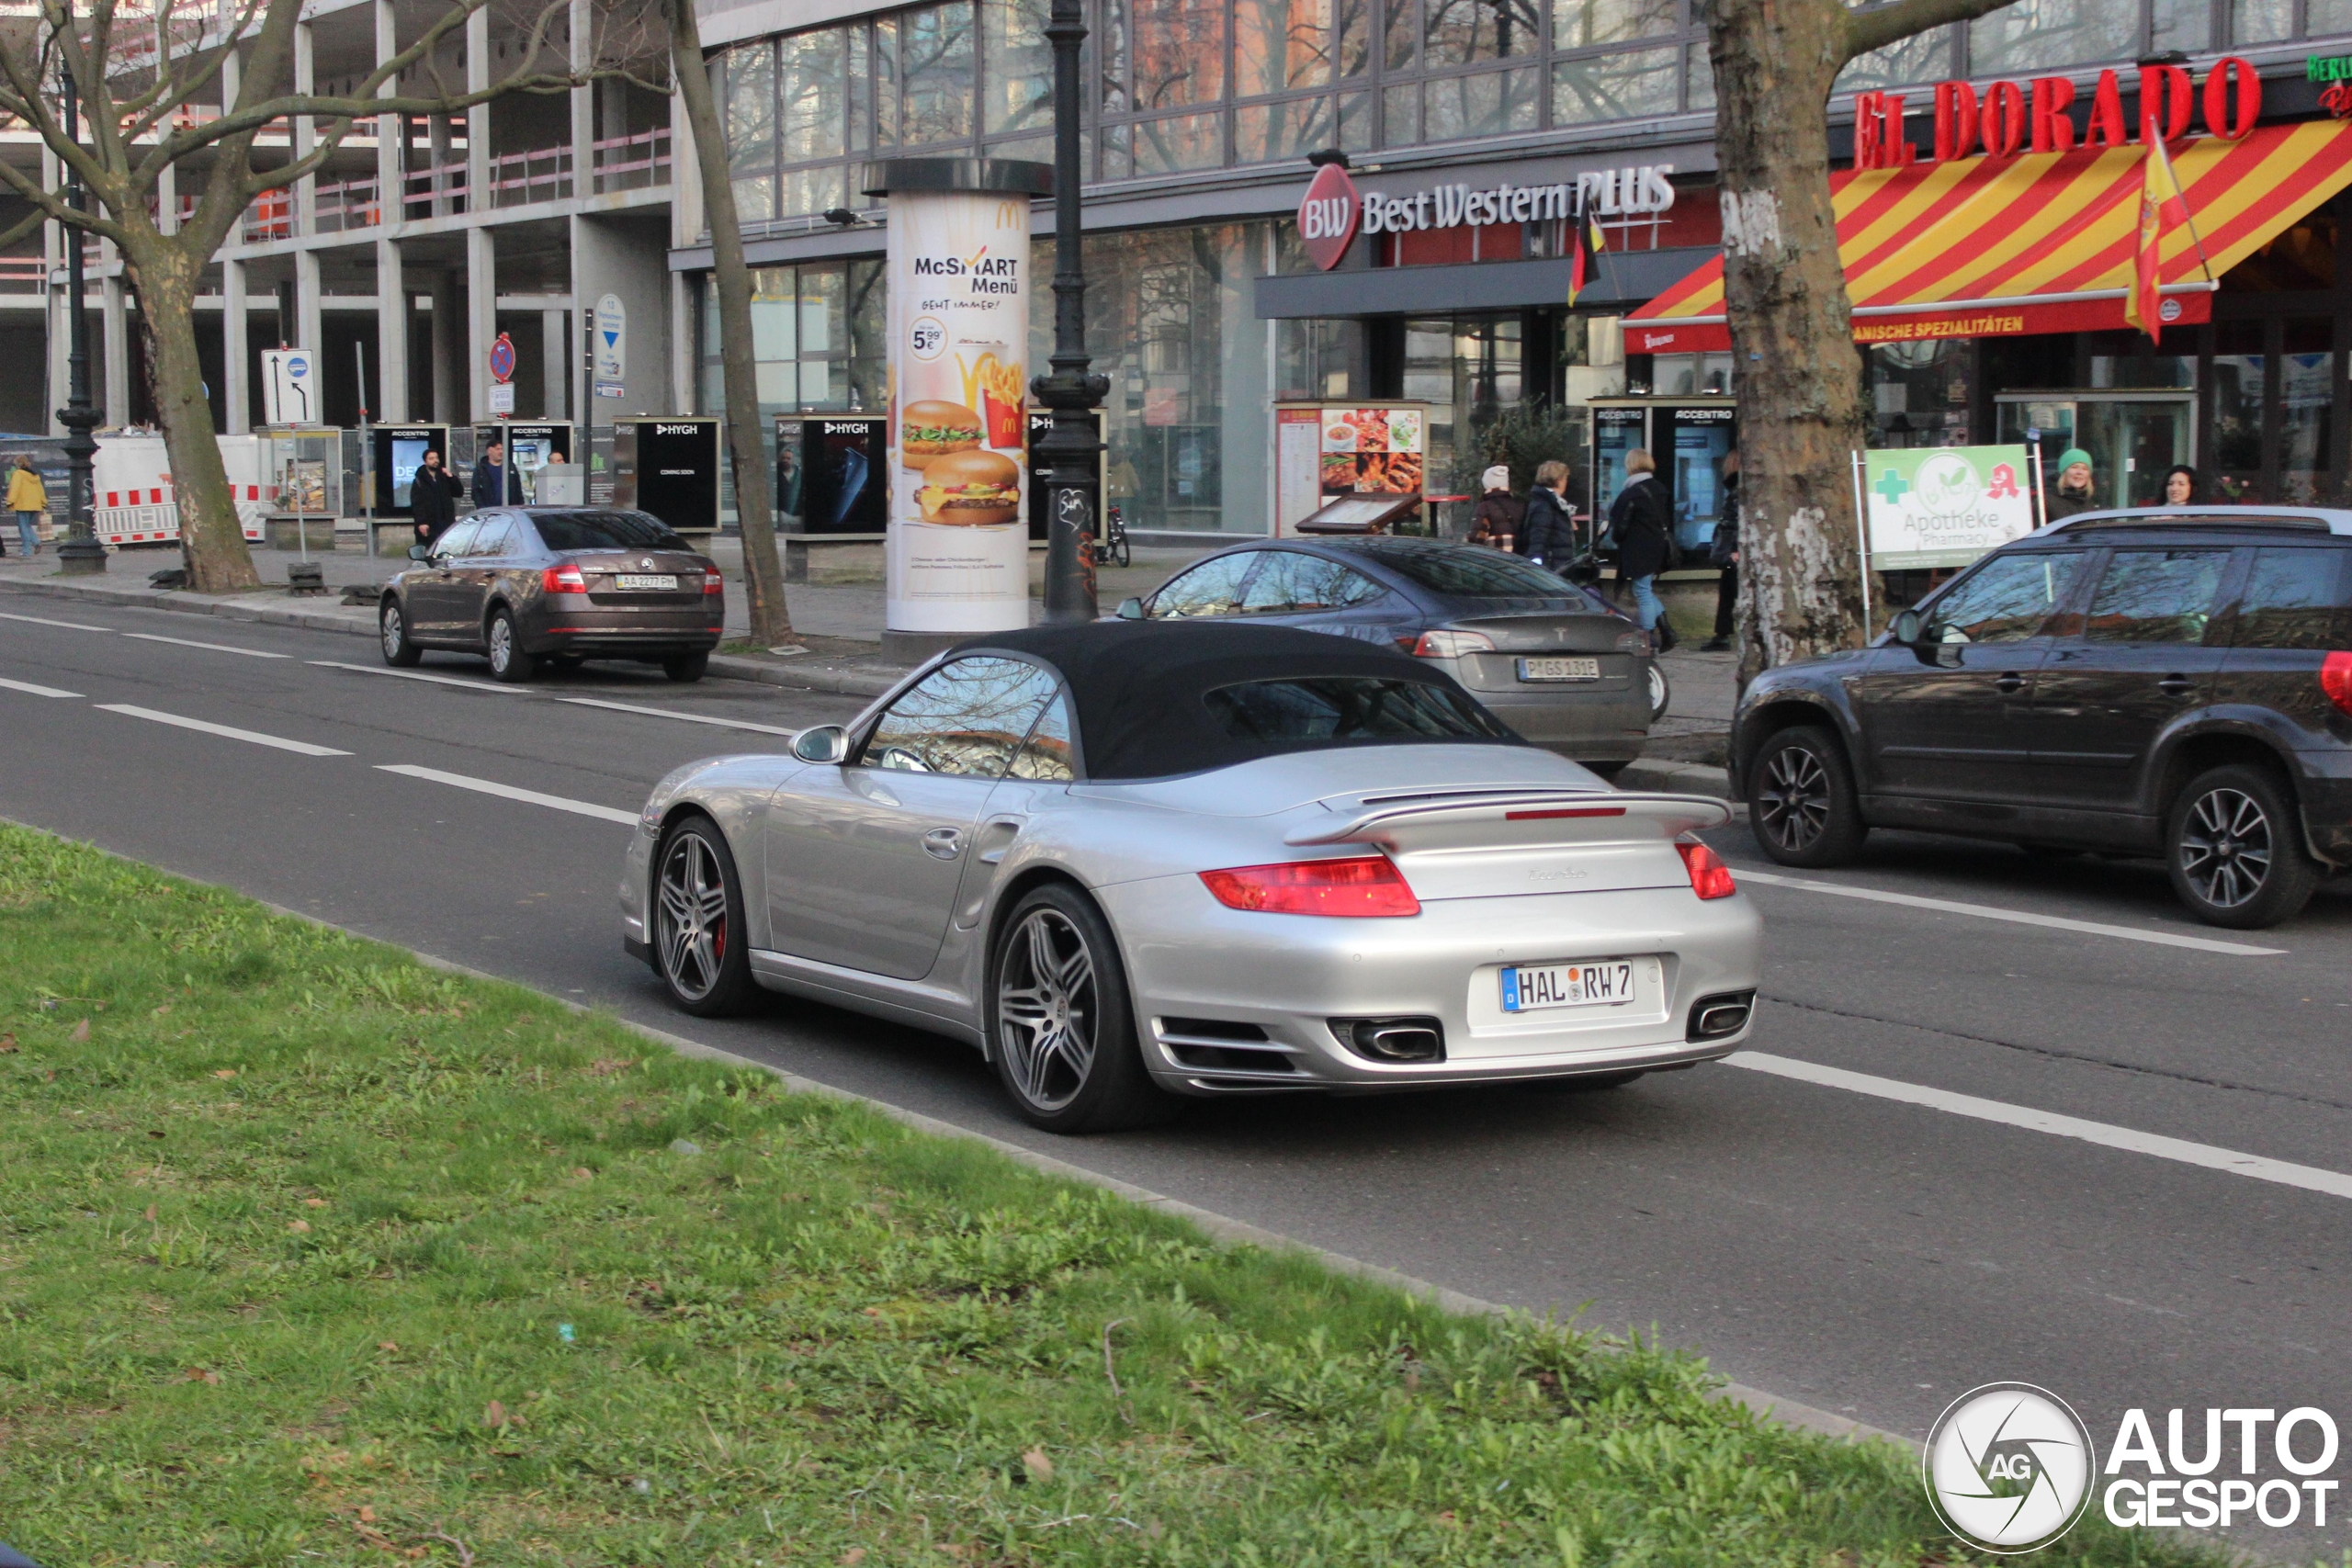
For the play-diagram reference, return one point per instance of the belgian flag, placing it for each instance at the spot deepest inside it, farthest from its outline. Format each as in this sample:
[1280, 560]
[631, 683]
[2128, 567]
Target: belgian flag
[1585, 245]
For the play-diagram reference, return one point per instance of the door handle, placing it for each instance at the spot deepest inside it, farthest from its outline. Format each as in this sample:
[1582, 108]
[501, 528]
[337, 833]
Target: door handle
[2176, 685]
[944, 843]
[2009, 681]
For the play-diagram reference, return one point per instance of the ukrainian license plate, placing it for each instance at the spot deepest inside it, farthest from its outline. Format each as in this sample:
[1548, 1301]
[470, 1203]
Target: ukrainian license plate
[656, 581]
[1529, 987]
[1559, 669]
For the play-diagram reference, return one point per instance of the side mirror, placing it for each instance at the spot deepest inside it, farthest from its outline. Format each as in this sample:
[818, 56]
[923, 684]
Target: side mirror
[1907, 628]
[419, 552]
[824, 743]
[1131, 609]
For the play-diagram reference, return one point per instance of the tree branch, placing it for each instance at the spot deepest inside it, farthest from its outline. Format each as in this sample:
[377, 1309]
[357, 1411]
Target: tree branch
[1876, 27]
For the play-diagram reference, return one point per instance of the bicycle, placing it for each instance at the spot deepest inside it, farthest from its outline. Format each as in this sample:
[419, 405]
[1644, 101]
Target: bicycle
[1113, 542]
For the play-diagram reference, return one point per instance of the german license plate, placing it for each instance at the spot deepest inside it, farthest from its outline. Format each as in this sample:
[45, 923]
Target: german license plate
[1559, 669]
[1529, 987]
[656, 582]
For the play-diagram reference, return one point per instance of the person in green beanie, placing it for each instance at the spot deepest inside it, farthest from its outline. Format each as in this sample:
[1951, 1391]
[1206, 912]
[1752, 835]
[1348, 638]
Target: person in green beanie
[2073, 491]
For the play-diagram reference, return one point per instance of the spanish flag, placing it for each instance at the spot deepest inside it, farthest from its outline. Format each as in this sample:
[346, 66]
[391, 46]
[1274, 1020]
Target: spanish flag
[1585, 245]
[2163, 206]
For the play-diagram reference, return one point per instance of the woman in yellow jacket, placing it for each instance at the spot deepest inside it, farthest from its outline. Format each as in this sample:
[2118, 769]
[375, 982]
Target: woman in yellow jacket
[28, 500]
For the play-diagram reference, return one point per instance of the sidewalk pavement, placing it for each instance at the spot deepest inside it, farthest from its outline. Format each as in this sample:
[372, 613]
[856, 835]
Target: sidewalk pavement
[838, 619]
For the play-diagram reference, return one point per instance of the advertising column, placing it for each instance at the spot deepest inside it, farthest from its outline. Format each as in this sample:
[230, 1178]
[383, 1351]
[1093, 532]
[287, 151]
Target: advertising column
[957, 551]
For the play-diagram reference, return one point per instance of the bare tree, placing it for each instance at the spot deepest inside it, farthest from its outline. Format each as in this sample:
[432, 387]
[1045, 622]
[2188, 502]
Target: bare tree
[1799, 387]
[134, 72]
[732, 275]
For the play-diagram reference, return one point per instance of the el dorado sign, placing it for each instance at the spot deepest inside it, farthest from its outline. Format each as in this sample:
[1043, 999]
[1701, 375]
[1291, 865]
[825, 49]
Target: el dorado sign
[2039, 117]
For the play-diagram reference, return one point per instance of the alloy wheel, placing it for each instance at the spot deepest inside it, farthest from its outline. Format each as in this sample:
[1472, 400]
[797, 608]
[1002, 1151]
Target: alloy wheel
[1048, 1008]
[501, 644]
[691, 923]
[2225, 848]
[393, 632]
[1793, 803]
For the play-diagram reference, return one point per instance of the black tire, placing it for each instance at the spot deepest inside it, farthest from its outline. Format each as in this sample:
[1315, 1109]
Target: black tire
[1661, 692]
[2234, 843]
[699, 948]
[508, 662]
[1119, 547]
[686, 667]
[1802, 805]
[391, 634]
[566, 663]
[1055, 960]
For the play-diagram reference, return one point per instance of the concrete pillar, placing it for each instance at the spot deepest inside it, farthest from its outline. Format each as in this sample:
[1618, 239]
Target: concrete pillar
[391, 334]
[167, 199]
[308, 332]
[306, 77]
[391, 128]
[555, 357]
[478, 118]
[584, 100]
[481, 317]
[117, 350]
[448, 351]
[437, 147]
[681, 344]
[236, 367]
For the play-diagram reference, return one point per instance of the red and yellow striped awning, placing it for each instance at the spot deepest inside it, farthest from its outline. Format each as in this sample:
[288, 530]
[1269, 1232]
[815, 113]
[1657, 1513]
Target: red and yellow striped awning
[1984, 246]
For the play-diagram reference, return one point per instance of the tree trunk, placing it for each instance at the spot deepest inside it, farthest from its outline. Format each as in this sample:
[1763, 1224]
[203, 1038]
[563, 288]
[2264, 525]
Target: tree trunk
[1796, 374]
[747, 446]
[212, 542]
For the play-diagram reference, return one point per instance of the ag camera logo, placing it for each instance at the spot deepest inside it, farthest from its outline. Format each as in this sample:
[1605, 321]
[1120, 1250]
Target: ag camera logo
[2010, 1467]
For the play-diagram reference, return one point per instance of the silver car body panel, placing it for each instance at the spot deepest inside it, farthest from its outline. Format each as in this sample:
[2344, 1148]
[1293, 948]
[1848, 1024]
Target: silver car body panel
[1580, 872]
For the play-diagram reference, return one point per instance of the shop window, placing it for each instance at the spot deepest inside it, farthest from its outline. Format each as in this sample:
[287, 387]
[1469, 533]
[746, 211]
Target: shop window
[1690, 375]
[2127, 361]
[1493, 103]
[2236, 392]
[2306, 410]
[2185, 24]
[2261, 21]
[1316, 358]
[1919, 393]
[2035, 37]
[1585, 24]
[1179, 51]
[1466, 32]
[1263, 132]
[1626, 85]
[1282, 45]
[2324, 16]
[1020, 66]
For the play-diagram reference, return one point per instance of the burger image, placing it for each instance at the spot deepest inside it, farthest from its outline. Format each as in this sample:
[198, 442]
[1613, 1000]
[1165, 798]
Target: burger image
[933, 429]
[970, 488]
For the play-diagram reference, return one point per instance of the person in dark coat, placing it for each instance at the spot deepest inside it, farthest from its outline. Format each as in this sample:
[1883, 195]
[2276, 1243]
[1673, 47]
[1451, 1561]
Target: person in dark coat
[1550, 526]
[433, 499]
[1642, 518]
[1500, 513]
[1723, 551]
[496, 484]
[2074, 492]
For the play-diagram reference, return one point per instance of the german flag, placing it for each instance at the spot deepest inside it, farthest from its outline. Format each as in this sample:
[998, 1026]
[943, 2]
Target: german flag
[1585, 245]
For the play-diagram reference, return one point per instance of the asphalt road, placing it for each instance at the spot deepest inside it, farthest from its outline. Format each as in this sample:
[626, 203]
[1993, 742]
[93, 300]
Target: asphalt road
[1881, 1217]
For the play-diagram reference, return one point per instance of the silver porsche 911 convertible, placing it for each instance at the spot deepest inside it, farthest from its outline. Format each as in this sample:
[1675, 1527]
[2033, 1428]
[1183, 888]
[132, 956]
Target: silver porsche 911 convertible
[1133, 862]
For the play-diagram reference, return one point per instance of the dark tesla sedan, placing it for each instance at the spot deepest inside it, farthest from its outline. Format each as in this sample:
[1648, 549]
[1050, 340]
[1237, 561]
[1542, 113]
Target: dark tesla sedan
[527, 585]
[1549, 659]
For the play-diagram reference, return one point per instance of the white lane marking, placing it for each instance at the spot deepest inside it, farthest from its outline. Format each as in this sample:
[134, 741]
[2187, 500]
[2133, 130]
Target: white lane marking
[215, 647]
[2335, 1184]
[255, 735]
[31, 690]
[45, 620]
[510, 792]
[1988, 912]
[420, 675]
[671, 713]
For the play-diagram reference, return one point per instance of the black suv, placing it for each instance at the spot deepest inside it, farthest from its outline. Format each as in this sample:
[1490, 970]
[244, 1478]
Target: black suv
[2141, 681]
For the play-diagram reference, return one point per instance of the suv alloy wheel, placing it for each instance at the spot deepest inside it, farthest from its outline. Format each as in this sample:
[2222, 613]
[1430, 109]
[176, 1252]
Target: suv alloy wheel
[1801, 803]
[2234, 844]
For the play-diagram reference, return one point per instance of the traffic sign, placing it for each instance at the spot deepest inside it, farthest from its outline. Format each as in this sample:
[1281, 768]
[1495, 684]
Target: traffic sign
[609, 389]
[612, 339]
[502, 399]
[502, 359]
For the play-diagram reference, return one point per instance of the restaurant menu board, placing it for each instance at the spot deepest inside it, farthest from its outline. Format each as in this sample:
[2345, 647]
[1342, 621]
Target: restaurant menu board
[1324, 451]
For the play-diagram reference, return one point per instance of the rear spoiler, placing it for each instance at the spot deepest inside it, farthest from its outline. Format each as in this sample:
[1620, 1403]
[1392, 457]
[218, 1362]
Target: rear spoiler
[1534, 817]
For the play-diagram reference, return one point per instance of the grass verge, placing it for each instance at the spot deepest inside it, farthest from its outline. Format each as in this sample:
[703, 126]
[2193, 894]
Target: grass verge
[309, 1253]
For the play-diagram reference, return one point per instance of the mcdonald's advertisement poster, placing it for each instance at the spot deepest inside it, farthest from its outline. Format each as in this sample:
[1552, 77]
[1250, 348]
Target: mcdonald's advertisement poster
[1945, 505]
[958, 544]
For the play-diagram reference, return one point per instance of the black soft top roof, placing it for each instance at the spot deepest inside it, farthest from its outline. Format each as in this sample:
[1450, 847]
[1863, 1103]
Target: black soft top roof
[1138, 687]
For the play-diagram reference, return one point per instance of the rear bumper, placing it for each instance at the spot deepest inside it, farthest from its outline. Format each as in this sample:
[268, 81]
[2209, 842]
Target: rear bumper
[562, 628]
[1599, 726]
[1195, 961]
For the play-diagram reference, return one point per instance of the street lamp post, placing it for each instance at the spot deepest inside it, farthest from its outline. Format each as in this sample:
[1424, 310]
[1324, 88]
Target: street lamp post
[1068, 455]
[81, 555]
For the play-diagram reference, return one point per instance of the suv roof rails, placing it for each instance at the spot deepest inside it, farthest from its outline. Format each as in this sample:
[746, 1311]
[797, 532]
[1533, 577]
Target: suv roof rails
[2308, 519]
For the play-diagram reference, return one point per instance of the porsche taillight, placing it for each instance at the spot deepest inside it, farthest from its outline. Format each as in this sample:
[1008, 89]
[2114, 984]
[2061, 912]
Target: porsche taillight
[1710, 877]
[1363, 885]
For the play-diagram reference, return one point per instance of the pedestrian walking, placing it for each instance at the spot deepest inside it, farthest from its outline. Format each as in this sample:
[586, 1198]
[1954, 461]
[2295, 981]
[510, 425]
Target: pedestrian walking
[1550, 526]
[28, 500]
[1642, 518]
[433, 499]
[2075, 482]
[1722, 552]
[1500, 513]
[494, 483]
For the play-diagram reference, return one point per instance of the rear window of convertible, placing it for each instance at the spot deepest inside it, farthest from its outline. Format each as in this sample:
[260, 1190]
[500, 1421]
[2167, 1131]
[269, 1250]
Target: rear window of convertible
[1304, 712]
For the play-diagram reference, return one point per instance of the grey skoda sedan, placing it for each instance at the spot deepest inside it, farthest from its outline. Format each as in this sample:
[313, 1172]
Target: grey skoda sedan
[1553, 661]
[533, 585]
